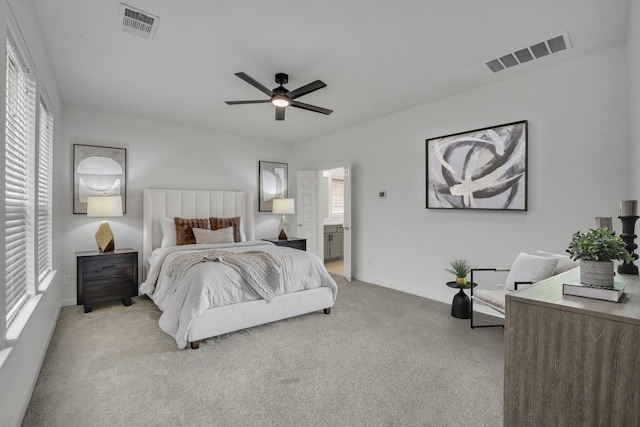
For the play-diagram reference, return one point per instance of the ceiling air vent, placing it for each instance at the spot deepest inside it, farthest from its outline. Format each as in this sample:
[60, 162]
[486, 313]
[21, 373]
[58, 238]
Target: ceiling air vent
[529, 53]
[138, 23]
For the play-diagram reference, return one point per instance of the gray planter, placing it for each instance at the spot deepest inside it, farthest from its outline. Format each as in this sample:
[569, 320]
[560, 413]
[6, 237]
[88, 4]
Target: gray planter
[596, 273]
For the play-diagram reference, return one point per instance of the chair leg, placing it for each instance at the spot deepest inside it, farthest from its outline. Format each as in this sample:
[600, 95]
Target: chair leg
[471, 302]
[471, 317]
[481, 326]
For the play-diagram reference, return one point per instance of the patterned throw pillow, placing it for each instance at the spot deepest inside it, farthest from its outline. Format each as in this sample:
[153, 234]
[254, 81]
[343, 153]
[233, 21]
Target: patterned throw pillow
[184, 229]
[217, 223]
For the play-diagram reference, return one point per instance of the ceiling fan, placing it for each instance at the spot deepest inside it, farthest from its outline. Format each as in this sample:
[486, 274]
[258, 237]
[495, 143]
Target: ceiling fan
[280, 97]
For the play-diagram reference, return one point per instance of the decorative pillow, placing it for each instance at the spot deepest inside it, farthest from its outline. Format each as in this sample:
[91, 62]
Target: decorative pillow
[565, 263]
[168, 232]
[218, 223]
[222, 235]
[530, 268]
[184, 229]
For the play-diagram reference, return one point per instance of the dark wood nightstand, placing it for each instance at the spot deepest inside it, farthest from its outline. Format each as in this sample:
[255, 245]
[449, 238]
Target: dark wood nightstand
[107, 276]
[291, 242]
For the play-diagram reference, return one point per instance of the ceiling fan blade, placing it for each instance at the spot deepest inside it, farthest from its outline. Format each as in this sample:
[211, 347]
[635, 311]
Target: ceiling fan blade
[280, 113]
[257, 101]
[311, 87]
[253, 82]
[310, 107]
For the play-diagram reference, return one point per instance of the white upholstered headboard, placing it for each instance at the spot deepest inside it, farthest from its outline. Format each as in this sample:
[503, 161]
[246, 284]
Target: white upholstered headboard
[158, 204]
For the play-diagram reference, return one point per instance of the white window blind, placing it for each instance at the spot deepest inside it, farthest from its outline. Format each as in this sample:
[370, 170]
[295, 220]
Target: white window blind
[16, 168]
[337, 197]
[45, 158]
[19, 183]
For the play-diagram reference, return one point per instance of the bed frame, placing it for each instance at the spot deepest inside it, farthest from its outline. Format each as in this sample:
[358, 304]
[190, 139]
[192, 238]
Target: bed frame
[159, 203]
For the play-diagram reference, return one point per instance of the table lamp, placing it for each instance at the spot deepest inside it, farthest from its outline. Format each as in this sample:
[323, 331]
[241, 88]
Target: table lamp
[284, 207]
[104, 206]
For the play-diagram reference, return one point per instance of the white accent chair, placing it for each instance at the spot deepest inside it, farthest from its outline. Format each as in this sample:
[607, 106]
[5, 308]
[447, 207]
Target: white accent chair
[527, 269]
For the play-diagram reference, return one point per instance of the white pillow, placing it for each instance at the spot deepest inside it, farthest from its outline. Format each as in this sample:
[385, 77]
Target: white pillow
[243, 236]
[565, 263]
[530, 268]
[222, 235]
[168, 232]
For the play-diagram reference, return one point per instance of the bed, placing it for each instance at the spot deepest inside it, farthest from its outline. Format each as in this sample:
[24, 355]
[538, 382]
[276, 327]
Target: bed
[193, 309]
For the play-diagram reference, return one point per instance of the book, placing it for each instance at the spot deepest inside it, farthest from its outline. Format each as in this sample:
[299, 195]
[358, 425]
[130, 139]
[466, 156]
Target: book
[607, 294]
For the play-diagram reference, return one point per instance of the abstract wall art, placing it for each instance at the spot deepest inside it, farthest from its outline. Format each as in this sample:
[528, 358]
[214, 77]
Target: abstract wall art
[98, 171]
[479, 169]
[273, 184]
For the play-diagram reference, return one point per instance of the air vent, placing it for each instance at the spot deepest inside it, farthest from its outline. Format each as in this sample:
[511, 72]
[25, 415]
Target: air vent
[138, 23]
[537, 50]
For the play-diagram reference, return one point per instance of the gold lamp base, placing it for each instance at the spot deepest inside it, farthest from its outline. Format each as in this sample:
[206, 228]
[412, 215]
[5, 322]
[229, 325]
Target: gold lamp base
[282, 235]
[104, 238]
[283, 225]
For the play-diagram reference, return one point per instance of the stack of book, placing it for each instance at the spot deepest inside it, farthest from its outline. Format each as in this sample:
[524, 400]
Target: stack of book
[614, 294]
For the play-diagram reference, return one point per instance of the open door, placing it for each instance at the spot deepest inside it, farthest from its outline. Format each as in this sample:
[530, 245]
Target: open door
[307, 195]
[310, 215]
[347, 222]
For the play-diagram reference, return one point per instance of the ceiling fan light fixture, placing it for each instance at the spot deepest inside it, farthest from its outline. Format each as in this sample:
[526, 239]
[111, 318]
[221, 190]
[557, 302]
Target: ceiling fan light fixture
[280, 97]
[280, 101]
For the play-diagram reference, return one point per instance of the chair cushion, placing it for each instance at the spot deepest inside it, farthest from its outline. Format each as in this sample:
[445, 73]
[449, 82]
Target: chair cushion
[494, 299]
[530, 268]
[565, 263]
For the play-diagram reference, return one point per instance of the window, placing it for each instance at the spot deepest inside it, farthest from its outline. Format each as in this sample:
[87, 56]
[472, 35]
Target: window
[45, 148]
[333, 193]
[16, 184]
[28, 187]
[337, 197]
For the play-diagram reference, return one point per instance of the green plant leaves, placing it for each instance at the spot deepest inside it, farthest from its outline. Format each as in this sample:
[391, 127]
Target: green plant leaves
[459, 267]
[600, 244]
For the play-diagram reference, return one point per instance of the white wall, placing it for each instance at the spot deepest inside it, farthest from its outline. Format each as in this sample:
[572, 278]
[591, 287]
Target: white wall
[633, 43]
[20, 362]
[578, 169]
[159, 155]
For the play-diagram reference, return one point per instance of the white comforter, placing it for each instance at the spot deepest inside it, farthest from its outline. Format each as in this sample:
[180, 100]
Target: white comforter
[212, 284]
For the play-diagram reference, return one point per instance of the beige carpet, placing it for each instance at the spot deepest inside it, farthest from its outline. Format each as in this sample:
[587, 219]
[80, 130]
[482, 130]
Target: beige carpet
[381, 358]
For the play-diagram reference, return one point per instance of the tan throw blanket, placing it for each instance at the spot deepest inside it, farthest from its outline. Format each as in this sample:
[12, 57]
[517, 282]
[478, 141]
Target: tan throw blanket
[259, 269]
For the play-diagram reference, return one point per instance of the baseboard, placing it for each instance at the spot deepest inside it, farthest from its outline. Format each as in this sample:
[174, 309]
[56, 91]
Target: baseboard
[68, 302]
[435, 296]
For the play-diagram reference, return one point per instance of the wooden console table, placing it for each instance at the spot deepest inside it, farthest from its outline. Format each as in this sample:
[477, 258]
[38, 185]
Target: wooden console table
[572, 361]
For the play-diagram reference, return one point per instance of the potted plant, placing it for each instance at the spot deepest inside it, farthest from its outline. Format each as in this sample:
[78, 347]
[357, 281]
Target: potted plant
[597, 249]
[460, 268]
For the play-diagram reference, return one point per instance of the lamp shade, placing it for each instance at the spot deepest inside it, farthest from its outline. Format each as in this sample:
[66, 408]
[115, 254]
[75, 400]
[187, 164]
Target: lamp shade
[283, 206]
[104, 206]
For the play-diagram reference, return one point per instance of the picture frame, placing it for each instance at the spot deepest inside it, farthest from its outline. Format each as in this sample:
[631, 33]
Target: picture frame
[480, 169]
[273, 178]
[98, 171]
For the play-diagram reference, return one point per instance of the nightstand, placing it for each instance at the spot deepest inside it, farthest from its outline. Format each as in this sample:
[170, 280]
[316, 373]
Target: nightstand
[106, 276]
[291, 242]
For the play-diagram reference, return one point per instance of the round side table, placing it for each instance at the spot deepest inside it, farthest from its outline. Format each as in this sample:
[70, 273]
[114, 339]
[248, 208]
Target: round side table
[461, 306]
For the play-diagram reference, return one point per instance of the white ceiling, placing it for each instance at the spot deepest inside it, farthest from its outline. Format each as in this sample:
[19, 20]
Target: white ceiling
[377, 57]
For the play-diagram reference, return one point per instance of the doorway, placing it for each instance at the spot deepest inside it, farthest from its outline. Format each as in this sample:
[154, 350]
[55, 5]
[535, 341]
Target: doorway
[317, 207]
[331, 203]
